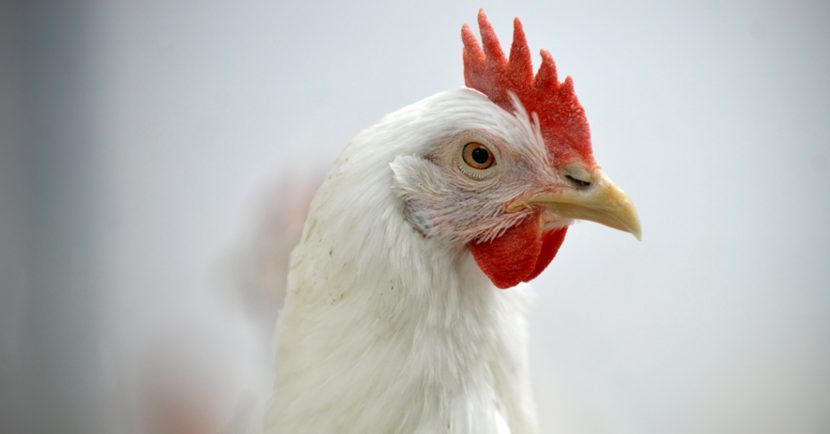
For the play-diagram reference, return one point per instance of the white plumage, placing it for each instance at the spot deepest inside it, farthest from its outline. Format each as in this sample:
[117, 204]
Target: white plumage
[384, 329]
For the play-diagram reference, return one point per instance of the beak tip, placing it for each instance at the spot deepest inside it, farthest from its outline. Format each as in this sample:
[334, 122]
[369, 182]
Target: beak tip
[636, 230]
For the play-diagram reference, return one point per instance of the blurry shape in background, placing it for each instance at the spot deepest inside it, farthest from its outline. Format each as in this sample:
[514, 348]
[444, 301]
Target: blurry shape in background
[263, 260]
[200, 364]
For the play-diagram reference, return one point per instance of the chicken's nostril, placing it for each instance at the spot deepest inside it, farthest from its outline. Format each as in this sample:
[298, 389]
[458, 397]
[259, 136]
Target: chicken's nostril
[576, 175]
[578, 182]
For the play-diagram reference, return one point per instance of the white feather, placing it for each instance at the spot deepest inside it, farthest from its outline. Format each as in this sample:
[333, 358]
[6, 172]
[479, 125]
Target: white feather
[386, 330]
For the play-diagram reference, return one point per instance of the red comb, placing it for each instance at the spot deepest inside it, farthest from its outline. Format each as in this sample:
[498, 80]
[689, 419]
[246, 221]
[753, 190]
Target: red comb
[561, 118]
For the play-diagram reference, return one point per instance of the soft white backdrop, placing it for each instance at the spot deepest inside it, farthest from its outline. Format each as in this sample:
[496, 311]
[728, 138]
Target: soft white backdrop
[140, 139]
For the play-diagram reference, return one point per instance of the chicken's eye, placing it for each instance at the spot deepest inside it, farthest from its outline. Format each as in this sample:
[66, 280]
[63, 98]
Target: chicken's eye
[477, 156]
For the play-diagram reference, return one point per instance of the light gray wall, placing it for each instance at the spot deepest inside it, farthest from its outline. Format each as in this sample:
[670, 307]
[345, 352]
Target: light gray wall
[137, 137]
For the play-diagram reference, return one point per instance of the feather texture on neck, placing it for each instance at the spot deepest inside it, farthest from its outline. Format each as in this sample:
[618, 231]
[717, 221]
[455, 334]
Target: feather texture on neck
[384, 329]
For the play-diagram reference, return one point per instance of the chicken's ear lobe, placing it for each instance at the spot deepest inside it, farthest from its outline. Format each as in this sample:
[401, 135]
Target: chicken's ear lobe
[415, 180]
[419, 220]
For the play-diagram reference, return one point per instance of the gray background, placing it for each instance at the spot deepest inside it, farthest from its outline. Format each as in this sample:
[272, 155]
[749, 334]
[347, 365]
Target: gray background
[138, 139]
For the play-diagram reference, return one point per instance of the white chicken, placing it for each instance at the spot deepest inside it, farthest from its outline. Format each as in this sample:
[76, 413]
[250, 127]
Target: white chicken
[394, 321]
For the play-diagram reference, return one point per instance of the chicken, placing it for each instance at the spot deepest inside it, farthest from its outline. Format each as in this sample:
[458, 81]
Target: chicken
[394, 320]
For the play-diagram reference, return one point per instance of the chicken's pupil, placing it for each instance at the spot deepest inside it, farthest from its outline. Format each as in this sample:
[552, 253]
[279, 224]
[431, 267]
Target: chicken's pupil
[480, 155]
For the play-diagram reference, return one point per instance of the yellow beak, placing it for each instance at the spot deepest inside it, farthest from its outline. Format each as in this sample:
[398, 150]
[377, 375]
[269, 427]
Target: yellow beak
[601, 202]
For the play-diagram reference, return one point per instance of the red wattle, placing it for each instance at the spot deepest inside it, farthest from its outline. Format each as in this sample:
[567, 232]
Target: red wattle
[518, 255]
[550, 246]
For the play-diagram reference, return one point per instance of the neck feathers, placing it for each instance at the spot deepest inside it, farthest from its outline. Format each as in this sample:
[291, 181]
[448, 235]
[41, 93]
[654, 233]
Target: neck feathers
[384, 330]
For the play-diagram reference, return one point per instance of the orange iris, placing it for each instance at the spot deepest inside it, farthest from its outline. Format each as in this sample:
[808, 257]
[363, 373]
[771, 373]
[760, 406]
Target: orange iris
[478, 156]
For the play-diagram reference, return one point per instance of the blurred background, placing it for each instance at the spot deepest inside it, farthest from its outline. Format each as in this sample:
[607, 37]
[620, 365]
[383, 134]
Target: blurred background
[156, 159]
